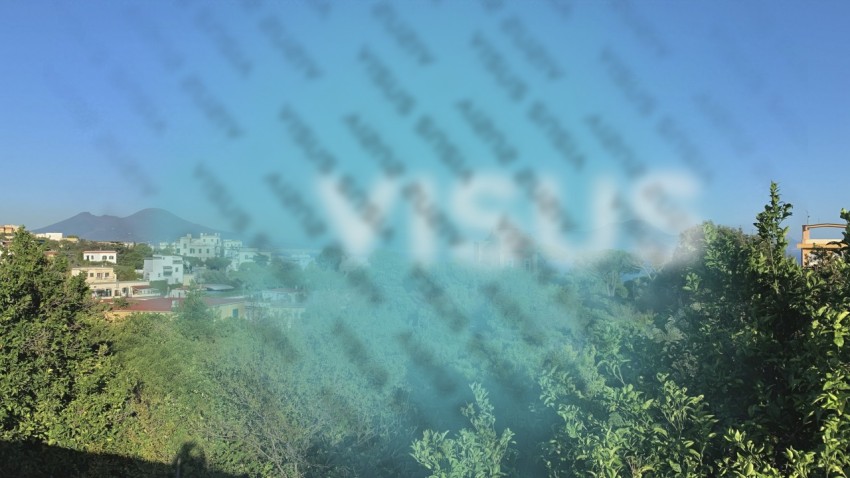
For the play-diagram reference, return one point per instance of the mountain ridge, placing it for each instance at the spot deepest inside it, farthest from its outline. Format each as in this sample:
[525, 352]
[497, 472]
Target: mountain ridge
[145, 225]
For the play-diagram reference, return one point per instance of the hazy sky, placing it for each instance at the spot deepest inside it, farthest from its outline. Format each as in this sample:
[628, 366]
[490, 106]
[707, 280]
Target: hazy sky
[114, 106]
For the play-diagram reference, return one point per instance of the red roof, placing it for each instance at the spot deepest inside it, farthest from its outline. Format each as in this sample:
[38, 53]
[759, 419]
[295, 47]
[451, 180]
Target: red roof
[165, 304]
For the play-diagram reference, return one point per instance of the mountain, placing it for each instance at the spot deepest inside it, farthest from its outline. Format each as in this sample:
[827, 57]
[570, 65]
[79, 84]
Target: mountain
[147, 225]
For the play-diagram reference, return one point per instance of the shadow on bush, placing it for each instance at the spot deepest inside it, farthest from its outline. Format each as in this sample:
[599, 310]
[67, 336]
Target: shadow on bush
[38, 460]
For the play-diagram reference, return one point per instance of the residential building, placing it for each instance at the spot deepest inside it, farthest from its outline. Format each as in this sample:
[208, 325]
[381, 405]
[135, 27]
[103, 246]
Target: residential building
[204, 247]
[8, 229]
[810, 245]
[95, 274]
[240, 256]
[231, 245]
[52, 236]
[101, 256]
[104, 283]
[167, 268]
[141, 289]
[221, 308]
[300, 257]
[284, 305]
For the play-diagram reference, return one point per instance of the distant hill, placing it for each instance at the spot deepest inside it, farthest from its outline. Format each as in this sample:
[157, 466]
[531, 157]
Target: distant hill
[147, 225]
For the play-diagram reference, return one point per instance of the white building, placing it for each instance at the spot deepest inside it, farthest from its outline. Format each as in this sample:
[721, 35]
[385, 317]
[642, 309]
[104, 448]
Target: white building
[240, 256]
[205, 247]
[52, 236]
[301, 257]
[231, 245]
[95, 274]
[100, 256]
[167, 268]
[103, 283]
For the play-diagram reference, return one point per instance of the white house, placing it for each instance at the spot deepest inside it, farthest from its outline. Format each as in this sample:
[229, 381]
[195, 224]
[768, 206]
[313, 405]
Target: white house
[300, 257]
[95, 274]
[104, 283]
[205, 247]
[167, 268]
[240, 256]
[231, 245]
[100, 256]
[52, 236]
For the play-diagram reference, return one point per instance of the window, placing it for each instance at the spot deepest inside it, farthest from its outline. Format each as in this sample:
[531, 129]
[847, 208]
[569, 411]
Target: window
[112, 257]
[234, 313]
[91, 274]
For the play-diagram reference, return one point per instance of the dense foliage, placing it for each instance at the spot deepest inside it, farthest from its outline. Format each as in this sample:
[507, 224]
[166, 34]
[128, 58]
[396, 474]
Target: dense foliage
[729, 360]
[59, 383]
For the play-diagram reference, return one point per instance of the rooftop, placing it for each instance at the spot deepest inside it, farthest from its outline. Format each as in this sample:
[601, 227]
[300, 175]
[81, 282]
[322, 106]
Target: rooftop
[168, 304]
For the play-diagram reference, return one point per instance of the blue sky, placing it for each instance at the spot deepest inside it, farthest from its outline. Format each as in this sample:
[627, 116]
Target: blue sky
[105, 107]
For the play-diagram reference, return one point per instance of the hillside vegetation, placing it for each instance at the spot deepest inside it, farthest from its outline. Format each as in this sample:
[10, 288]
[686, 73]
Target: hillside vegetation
[729, 360]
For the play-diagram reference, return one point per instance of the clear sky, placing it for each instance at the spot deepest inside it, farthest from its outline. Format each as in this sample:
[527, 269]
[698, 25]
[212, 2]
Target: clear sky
[115, 106]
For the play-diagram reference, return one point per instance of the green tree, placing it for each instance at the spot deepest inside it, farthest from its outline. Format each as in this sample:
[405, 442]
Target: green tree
[217, 263]
[610, 269]
[133, 256]
[475, 453]
[161, 286]
[194, 316]
[126, 273]
[58, 381]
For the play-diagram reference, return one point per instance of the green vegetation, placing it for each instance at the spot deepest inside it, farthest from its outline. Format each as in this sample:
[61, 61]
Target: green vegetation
[128, 260]
[476, 452]
[728, 360]
[59, 383]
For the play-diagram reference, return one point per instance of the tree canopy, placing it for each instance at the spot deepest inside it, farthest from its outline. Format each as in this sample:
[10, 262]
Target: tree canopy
[728, 360]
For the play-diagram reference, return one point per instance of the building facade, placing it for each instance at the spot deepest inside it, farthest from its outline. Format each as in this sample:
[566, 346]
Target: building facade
[104, 283]
[240, 256]
[101, 256]
[809, 246]
[206, 246]
[220, 308]
[167, 268]
[52, 236]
